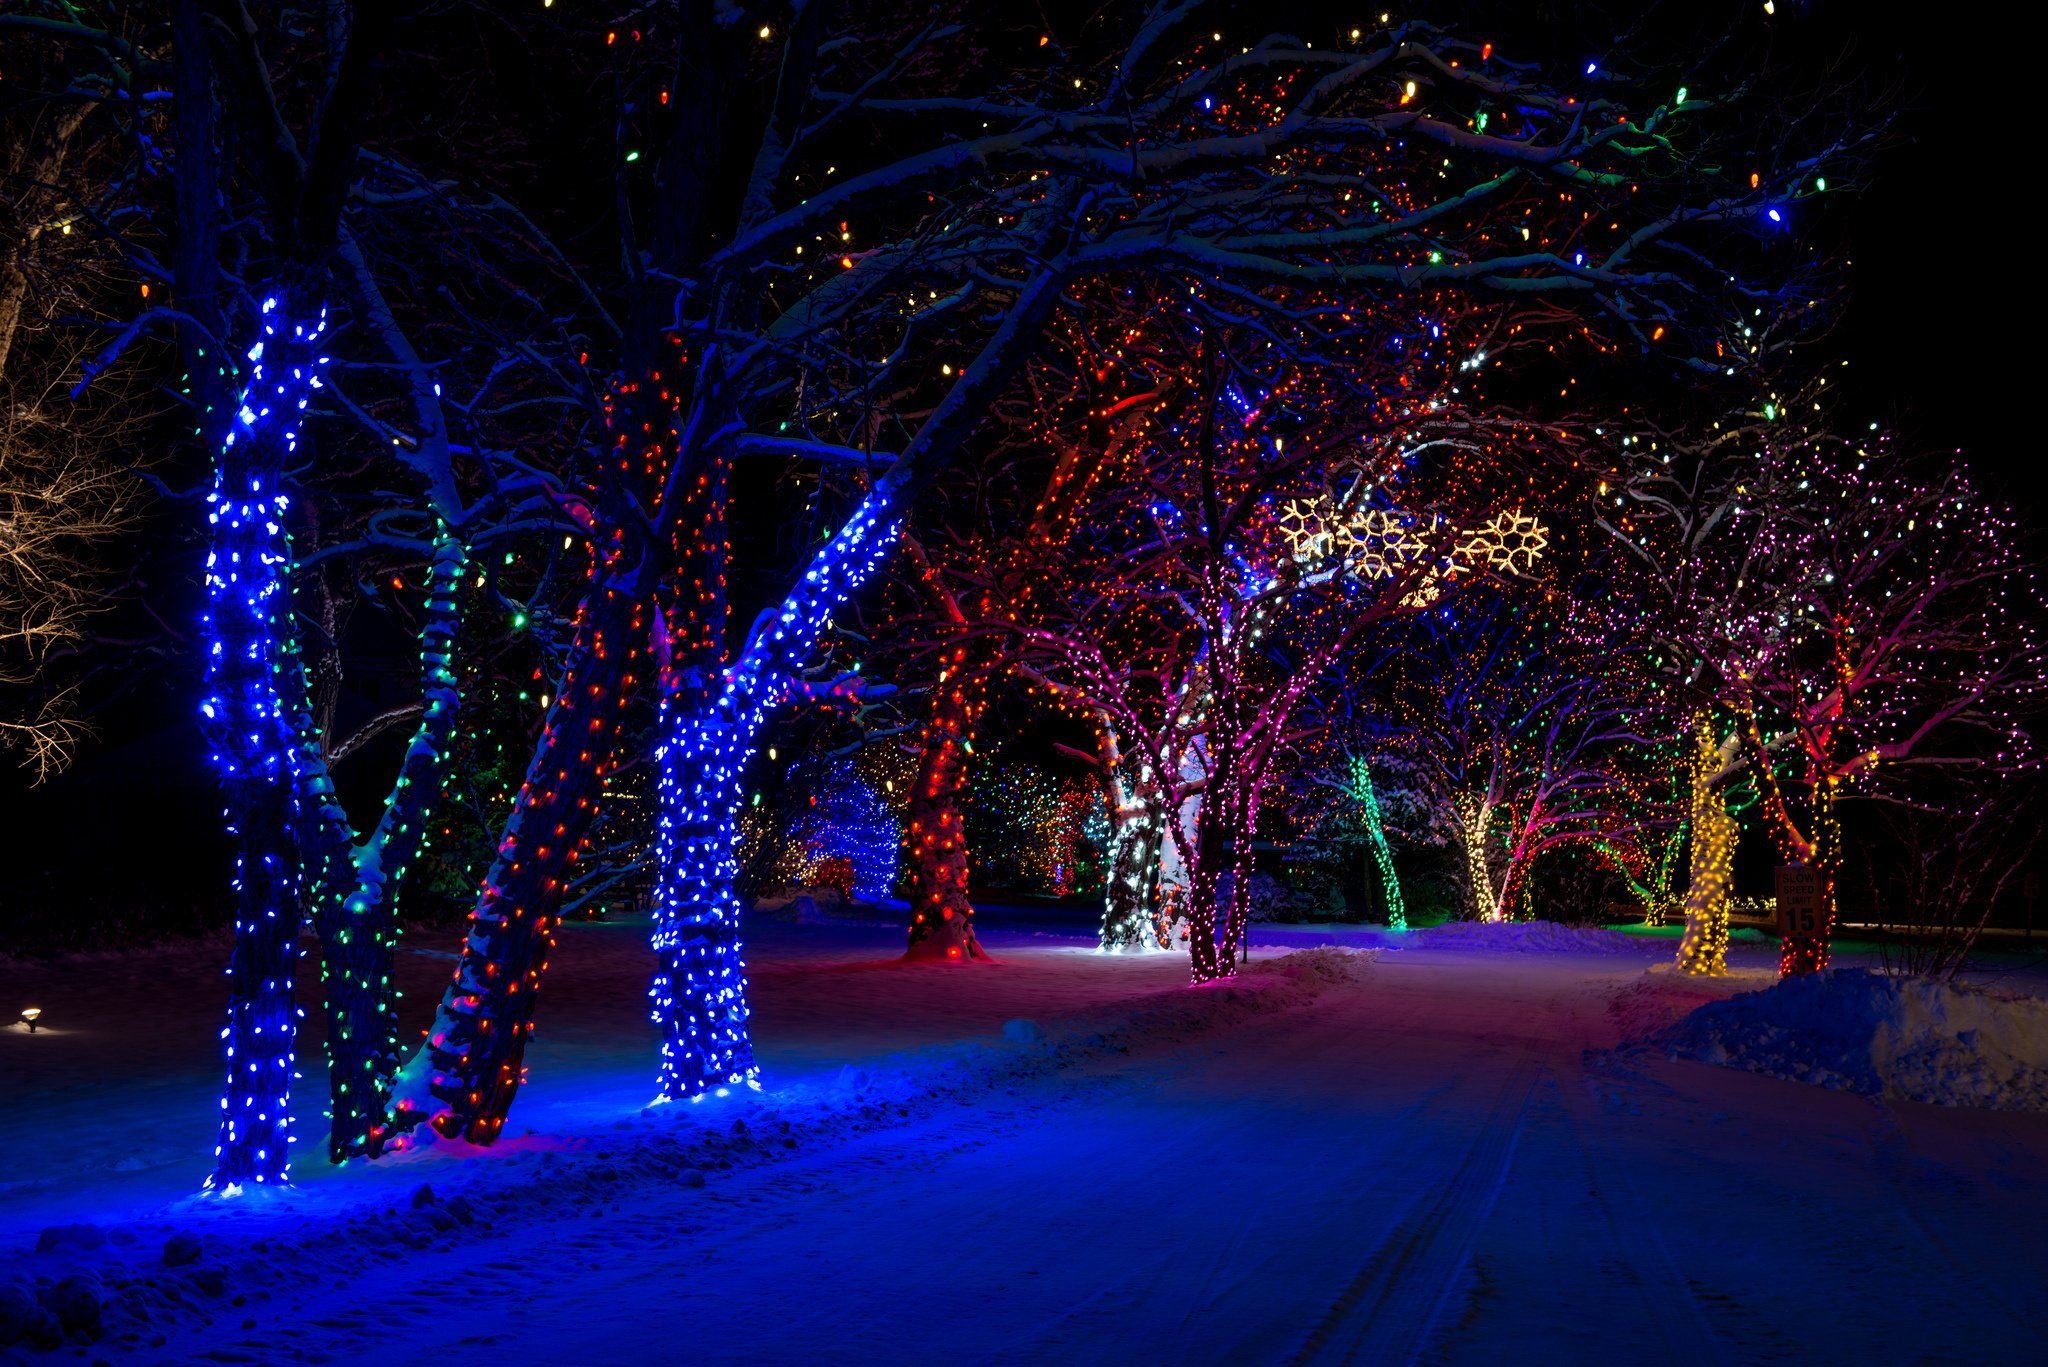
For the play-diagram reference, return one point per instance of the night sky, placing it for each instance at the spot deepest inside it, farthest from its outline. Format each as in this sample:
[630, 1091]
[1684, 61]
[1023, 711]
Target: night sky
[1935, 300]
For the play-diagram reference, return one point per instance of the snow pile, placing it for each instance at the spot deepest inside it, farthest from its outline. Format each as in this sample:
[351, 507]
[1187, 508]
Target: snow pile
[1536, 937]
[206, 1259]
[1858, 1031]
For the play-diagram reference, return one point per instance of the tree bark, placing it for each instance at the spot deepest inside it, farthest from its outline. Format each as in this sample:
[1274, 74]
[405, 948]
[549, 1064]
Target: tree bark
[1800, 954]
[245, 628]
[699, 992]
[1475, 817]
[1704, 948]
[1376, 841]
[1137, 831]
[356, 886]
[464, 1080]
[941, 915]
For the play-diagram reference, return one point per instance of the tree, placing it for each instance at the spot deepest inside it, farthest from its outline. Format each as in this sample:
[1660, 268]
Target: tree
[1855, 616]
[1518, 715]
[66, 495]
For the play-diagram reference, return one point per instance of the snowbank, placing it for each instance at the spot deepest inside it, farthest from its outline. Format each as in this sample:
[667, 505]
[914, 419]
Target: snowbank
[1859, 1031]
[205, 1258]
[1534, 937]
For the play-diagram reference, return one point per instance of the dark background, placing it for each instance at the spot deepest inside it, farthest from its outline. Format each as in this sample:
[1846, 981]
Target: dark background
[127, 842]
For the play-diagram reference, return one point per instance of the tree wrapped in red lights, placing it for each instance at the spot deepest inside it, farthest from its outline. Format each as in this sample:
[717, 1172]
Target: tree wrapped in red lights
[980, 585]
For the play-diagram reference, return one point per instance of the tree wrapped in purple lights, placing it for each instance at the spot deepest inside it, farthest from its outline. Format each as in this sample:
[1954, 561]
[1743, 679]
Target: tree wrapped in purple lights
[1846, 623]
[1520, 718]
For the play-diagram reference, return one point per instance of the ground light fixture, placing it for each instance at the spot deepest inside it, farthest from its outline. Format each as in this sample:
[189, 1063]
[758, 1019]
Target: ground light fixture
[30, 1015]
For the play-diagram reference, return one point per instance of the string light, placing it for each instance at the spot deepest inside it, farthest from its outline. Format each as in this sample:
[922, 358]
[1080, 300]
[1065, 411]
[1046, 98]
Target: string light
[248, 593]
[699, 993]
[1703, 950]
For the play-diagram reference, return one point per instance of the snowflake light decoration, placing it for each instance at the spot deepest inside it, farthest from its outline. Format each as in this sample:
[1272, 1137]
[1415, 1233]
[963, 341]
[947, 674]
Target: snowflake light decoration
[1307, 525]
[1512, 541]
[1379, 542]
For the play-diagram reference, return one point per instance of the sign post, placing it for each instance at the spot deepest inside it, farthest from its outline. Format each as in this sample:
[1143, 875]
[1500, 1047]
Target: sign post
[1802, 906]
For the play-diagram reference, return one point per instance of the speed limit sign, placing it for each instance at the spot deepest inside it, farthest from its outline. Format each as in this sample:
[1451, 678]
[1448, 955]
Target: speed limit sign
[1802, 901]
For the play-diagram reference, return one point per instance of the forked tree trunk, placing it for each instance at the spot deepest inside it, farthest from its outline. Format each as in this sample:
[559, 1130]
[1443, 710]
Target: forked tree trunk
[1704, 948]
[356, 886]
[941, 915]
[1658, 900]
[699, 992]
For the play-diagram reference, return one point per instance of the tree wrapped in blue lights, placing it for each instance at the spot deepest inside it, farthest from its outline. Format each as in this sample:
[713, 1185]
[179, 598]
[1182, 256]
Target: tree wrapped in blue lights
[699, 993]
[847, 822]
[244, 628]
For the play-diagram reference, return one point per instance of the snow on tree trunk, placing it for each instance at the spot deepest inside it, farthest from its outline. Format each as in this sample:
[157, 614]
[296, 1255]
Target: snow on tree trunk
[245, 626]
[356, 886]
[1137, 831]
[465, 1078]
[1704, 948]
[941, 916]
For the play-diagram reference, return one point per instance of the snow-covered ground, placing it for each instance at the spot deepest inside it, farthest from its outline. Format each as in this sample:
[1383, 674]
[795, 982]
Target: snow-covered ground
[1866, 1032]
[1437, 1150]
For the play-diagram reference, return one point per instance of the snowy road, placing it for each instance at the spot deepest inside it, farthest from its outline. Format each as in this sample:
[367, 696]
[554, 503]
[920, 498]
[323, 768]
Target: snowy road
[1423, 1165]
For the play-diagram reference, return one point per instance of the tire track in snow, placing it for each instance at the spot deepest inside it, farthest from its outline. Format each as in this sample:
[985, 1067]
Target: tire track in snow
[1664, 1294]
[1897, 1161]
[1390, 1310]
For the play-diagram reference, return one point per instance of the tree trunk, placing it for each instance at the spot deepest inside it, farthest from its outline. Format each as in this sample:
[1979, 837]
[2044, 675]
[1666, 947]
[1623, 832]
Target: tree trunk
[941, 916]
[700, 983]
[1799, 954]
[1659, 902]
[1704, 948]
[1514, 888]
[357, 886]
[1211, 848]
[1137, 830]
[1475, 818]
[1216, 921]
[245, 627]
[1376, 841]
[471, 1067]
[1237, 921]
[699, 992]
